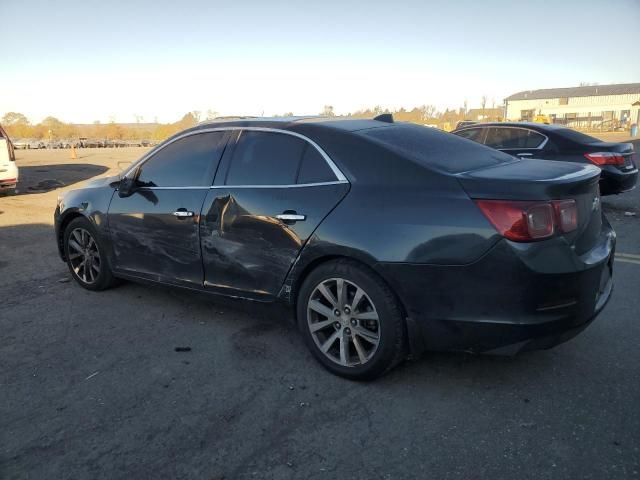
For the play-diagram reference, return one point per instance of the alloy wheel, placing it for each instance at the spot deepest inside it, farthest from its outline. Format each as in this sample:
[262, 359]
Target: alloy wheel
[343, 322]
[84, 256]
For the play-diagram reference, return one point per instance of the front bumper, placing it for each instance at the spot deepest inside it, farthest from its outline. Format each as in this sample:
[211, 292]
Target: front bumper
[516, 297]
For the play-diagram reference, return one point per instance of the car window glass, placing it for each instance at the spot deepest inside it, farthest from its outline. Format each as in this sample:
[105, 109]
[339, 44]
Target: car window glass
[501, 137]
[314, 167]
[188, 162]
[432, 148]
[474, 134]
[265, 158]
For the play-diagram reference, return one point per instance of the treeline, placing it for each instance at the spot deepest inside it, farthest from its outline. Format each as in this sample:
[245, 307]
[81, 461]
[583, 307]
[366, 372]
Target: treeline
[18, 125]
[51, 128]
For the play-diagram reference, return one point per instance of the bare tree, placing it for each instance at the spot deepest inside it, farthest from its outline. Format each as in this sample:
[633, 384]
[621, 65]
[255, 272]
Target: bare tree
[211, 114]
[196, 115]
[483, 102]
[327, 111]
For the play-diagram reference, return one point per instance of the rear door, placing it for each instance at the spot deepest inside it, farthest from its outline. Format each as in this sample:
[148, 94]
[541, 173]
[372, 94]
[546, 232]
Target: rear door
[155, 231]
[272, 190]
[516, 141]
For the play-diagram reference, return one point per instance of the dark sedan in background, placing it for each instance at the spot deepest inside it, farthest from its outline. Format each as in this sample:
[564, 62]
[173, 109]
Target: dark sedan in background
[385, 239]
[617, 161]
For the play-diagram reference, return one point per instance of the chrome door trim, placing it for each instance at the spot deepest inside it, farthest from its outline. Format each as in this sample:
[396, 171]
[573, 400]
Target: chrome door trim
[334, 168]
[212, 187]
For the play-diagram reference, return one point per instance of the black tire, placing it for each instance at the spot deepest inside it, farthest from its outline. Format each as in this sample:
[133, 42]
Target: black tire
[391, 329]
[104, 278]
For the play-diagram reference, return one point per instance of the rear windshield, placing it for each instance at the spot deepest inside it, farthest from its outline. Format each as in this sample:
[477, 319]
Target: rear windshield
[574, 136]
[436, 149]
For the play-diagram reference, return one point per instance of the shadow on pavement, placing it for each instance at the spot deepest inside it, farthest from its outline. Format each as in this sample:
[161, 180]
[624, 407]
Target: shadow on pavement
[43, 178]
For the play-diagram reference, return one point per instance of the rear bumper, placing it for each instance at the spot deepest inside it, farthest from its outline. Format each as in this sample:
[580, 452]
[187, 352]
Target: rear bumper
[614, 181]
[517, 297]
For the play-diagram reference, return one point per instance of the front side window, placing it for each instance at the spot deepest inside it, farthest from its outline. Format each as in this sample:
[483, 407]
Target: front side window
[500, 137]
[188, 162]
[265, 158]
[474, 134]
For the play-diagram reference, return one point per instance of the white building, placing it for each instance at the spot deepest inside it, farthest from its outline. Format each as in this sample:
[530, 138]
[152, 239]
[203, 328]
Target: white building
[599, 106]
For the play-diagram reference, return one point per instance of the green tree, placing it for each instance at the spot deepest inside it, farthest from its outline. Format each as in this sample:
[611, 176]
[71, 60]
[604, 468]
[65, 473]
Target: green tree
[14, 118]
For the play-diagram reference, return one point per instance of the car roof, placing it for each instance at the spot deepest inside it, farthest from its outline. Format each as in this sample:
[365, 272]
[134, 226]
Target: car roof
[348, 124]
[532, 125]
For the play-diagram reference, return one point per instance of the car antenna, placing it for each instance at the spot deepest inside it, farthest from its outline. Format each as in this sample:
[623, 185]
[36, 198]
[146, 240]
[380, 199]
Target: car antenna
[385, 117]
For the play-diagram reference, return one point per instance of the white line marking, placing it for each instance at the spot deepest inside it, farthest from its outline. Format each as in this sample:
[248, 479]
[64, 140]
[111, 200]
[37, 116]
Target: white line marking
[95, 373]
[627, 260]
[628, 255]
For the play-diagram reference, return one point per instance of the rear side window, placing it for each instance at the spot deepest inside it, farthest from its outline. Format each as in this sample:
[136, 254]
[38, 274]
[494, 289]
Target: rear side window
[435, 149]
[474, 134]
[265, 158]
[501, 137]
[314, 168]
[188, 162]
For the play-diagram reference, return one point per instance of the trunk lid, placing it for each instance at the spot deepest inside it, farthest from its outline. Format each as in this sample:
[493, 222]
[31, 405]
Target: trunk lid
[543, 180]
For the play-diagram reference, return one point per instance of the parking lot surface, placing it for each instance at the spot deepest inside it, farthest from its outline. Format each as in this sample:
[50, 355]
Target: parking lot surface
[91, 384]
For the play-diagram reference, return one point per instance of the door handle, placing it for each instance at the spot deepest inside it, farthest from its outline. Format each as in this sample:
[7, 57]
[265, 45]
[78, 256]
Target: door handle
[524, 154]
[182, 213]
[291, 217]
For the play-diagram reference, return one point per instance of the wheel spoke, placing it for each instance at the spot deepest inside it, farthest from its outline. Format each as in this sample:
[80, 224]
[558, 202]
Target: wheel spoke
[362, 356]
[368, 335]
[341, 290]
[372, 315]
[322, 288]
[320, 325]
[78, 267]
[344, 348]
[318, 307]
[356, 299]
[89, 270]
[75, 245]
[73, 256]
[78, 237]
[330, 341]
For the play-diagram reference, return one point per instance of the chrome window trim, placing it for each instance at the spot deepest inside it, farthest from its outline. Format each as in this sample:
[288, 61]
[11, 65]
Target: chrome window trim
[219, 187]
[334, 168]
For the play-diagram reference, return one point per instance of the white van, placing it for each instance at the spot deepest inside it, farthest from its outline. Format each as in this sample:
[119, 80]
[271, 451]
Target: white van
[8, 167]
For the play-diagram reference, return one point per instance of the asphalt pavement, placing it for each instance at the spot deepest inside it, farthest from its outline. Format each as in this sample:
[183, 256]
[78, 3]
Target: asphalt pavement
[144, 382]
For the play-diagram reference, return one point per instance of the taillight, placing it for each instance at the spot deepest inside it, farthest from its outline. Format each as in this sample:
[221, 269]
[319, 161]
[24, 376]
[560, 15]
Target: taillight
[566, 215]
[529, 221]
[605, 158]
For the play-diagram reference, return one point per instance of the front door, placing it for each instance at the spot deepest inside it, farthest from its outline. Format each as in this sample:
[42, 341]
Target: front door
[155, 230]
[272, 191]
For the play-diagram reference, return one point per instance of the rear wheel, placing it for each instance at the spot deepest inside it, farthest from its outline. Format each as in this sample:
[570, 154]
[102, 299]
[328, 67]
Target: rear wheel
[86, 257]
[351, 320]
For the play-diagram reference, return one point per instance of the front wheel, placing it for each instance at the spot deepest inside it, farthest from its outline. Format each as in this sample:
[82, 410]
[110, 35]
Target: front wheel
[351, 320]
[86, 256]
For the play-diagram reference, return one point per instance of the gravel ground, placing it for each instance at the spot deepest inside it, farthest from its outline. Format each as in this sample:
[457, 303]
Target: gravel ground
[91, 384]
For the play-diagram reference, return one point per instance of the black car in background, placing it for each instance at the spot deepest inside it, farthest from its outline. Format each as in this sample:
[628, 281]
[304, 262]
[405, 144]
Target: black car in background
[617, 161]
[384, 239]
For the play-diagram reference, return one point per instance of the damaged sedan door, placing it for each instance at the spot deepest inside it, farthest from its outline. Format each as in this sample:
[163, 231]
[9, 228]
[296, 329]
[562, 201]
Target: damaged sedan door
[154, 217]
[272, 190]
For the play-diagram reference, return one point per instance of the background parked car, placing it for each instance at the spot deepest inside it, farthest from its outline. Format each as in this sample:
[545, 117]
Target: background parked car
[617, 161]
[21, 144]
[8, 167]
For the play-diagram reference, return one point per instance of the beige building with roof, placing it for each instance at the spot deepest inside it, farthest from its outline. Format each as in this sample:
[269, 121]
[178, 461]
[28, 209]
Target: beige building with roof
[606, 107]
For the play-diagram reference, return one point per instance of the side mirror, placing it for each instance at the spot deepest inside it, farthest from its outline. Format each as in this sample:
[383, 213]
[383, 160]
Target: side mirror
[127, 187]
